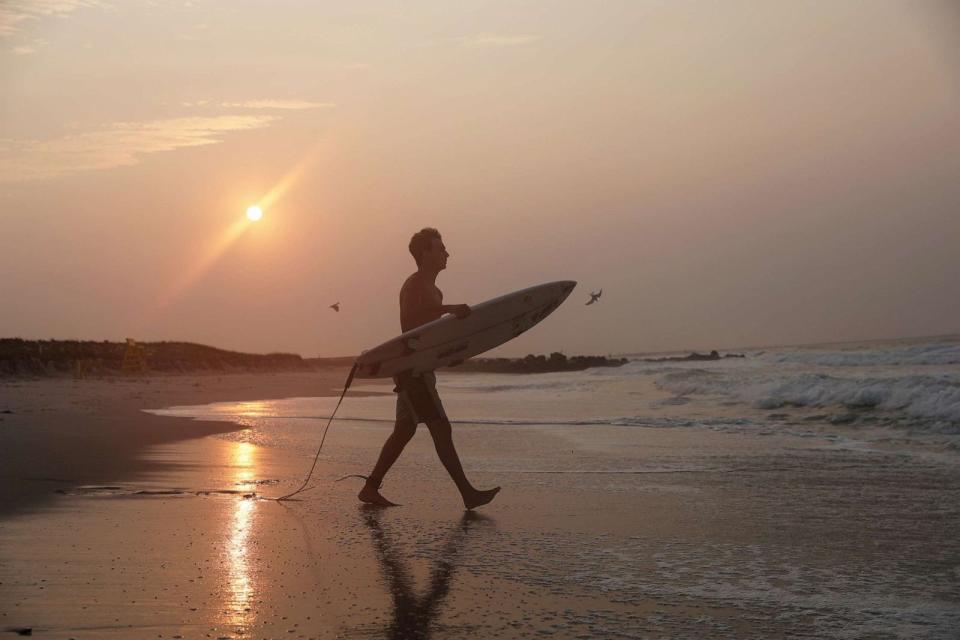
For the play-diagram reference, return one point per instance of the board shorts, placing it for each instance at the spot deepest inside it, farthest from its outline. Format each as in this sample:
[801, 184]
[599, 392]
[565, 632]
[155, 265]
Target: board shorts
[417, 398]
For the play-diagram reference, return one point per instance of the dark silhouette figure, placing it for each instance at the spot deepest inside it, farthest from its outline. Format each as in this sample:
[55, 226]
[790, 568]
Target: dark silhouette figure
[594, 297]
[417, 399]
[336, 307]
[413, 615]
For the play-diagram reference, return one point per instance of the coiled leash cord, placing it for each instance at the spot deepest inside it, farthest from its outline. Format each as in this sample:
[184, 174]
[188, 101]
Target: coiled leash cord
[303, 487]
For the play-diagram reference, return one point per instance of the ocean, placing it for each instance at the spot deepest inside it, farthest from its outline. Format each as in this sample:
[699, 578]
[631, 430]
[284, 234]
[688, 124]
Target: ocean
[903, 393]
[795, 492]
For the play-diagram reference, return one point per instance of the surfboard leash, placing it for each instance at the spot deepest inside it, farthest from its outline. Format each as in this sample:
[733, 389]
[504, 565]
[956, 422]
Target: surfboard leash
[303, 487]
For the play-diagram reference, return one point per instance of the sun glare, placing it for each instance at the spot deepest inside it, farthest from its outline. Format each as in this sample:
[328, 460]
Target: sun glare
[254, 213]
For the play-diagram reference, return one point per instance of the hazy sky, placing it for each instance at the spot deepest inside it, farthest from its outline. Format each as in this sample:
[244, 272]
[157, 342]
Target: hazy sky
[730, 173]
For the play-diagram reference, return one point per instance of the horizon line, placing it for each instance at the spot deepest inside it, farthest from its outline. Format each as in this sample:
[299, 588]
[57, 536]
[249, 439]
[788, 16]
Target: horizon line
[954, 335]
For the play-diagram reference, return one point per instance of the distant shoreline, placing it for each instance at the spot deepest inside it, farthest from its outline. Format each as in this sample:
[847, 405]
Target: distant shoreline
[538, 364]
[20, 358]
[847, 344]
[88, 358]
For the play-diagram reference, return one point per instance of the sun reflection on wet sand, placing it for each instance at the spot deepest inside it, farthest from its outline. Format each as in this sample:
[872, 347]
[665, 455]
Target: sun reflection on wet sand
[247, 409]
[253, 409]
[239, 590]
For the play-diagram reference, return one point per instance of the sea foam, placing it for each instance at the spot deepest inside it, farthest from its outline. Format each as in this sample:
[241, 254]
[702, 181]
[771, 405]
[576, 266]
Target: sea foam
[933, 397]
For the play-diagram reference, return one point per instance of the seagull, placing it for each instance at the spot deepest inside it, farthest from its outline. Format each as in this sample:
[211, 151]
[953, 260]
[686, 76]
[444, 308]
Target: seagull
[336, 307]
[594, 297]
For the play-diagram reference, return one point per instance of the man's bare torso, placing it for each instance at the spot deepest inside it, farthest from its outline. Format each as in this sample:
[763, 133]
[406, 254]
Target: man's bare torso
[421, 302]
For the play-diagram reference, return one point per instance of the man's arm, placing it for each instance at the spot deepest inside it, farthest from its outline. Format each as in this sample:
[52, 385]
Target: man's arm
[420, 305]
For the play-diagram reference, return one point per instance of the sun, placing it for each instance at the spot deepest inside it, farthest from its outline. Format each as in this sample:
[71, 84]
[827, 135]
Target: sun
[254, 213]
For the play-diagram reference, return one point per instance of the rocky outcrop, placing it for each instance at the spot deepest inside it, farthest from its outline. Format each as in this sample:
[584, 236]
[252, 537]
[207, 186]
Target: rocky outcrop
[539, 363]
[694, 357]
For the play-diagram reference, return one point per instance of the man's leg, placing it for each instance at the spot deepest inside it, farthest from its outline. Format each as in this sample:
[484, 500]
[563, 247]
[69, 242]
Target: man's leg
[442, 435]
[403, 431]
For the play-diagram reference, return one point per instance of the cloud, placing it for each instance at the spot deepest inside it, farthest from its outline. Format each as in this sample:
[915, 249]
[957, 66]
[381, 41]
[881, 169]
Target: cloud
[194, 33]
[498, 40]
[278, 104]
[121, 144]
[14, 13]
[28, 47]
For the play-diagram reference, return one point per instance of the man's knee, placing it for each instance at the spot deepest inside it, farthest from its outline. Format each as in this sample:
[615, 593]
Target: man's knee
[404, 429]
[439, 428]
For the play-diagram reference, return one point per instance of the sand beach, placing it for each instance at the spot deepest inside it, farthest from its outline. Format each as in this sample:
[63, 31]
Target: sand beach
[601, 531]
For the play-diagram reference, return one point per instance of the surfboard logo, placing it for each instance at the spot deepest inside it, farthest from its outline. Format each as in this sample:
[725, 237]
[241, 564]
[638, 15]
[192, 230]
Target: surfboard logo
[542, 313]
[410, 345]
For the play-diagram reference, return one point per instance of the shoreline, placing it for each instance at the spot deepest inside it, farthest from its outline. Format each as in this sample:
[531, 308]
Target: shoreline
[82, 359]
[57, 433]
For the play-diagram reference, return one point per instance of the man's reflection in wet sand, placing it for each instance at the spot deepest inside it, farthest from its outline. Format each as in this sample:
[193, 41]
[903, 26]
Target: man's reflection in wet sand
[412, 615]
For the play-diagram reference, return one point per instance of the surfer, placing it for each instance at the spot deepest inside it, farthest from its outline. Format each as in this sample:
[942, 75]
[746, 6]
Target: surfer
[421, 301]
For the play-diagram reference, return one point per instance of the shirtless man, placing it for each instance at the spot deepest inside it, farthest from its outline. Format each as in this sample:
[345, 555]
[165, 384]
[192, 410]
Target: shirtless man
[417, 400]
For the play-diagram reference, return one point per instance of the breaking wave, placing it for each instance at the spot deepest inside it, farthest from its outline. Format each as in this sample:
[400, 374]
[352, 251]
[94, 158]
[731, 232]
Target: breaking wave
[933, 397]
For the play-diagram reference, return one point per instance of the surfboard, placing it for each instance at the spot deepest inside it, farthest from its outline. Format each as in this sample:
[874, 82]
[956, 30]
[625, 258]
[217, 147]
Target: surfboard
[449, 340]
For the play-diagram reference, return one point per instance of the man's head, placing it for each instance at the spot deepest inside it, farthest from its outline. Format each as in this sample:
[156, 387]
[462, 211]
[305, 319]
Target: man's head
[427, 248]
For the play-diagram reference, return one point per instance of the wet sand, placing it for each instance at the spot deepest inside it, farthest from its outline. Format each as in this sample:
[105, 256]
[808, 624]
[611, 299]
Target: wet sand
[59, 432]
[678, 533]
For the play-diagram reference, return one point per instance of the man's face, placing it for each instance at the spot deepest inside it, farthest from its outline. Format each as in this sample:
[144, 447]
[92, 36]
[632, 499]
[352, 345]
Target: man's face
[435, 258]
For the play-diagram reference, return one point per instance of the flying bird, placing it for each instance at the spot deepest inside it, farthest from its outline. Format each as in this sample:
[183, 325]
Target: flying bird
[594, 297]
[336, 307]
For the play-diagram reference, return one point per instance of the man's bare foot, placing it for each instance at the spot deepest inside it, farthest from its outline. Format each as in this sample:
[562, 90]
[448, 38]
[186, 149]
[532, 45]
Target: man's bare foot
[370, 494]
[480, 498]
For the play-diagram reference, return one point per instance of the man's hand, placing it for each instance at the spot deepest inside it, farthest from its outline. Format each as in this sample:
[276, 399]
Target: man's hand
[459, 310]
